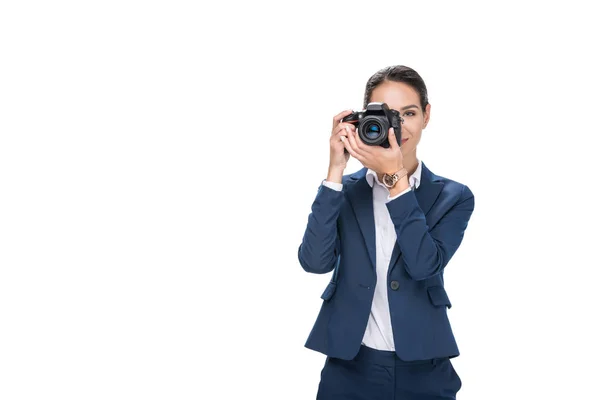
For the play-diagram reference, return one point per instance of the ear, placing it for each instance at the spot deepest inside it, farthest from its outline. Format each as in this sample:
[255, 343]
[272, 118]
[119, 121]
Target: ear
[426, 115]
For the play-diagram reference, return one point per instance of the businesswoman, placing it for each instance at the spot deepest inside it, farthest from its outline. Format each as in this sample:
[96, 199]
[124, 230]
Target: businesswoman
[387, 232]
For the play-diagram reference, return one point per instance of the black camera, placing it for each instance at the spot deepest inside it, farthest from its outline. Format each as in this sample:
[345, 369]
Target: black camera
[374, 123]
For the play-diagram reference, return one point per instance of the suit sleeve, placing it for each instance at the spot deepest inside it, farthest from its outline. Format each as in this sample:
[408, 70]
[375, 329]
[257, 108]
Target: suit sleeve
[425, 252]
[320, 245]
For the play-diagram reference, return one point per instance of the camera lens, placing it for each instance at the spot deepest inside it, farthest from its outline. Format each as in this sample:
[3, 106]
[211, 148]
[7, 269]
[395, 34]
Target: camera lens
[373, 130]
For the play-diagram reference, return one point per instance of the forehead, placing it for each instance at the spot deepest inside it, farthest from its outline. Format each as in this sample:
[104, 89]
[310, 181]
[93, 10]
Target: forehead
[395, 94]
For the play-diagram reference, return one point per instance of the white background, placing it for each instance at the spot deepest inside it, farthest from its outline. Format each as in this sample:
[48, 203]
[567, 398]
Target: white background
[158, 161]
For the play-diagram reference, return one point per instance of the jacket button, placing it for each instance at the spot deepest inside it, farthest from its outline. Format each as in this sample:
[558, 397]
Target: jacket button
[394, 285]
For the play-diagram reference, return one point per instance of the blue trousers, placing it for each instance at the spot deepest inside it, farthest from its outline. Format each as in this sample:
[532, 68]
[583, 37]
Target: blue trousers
[381, 375]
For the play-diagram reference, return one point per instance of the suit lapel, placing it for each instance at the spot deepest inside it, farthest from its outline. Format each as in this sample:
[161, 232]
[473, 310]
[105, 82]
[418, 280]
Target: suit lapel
[429, 189]
[427, 193]
[360, 196]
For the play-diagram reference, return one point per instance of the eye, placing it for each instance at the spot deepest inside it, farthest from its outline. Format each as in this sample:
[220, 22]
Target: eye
[410, 114]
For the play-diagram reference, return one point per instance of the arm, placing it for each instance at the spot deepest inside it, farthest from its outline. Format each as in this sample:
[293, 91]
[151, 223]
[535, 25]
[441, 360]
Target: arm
[427, 253]
[320, 245]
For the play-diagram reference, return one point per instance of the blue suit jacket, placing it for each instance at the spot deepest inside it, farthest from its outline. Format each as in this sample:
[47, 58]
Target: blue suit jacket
[430, 223]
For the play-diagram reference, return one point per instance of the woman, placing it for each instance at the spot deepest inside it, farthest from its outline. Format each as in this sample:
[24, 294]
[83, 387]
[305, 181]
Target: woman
[387, 231]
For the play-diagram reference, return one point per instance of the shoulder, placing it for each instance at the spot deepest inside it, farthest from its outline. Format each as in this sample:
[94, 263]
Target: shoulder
[452, 187]
[457, 188]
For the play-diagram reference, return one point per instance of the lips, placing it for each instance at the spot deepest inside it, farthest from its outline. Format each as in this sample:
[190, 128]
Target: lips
[403, 140]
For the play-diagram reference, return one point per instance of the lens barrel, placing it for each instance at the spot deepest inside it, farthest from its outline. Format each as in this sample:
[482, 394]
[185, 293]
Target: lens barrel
[373, 130]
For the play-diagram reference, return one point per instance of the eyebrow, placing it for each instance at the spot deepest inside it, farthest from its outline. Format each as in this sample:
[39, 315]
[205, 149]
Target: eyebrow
[411, 106]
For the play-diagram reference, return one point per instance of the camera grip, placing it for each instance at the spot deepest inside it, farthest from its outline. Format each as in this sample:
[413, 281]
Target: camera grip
[352, 118]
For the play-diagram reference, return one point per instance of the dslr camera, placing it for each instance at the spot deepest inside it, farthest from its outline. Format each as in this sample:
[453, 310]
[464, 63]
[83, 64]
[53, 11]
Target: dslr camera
[374, 123]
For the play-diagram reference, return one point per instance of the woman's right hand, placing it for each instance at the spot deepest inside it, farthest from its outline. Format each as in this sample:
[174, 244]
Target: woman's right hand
[338, 157]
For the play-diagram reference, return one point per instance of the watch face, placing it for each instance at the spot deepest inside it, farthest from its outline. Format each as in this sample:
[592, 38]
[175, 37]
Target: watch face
[389, 180]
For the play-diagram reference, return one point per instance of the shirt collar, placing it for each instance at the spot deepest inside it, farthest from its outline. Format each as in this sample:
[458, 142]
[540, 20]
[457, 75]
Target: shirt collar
[414, 180]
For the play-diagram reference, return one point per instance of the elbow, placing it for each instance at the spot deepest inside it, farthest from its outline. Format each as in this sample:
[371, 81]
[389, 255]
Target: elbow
[424, 271]
[315, 265]
[422, 275]
[428, 264]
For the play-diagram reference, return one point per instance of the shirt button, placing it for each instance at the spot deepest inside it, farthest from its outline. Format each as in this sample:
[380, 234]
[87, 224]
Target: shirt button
[394, 285]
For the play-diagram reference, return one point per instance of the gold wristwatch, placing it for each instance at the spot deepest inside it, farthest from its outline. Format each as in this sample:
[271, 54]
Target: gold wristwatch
[390, 180]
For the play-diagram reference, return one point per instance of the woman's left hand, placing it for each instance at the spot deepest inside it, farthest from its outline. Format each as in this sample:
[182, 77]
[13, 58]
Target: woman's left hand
[377, 158]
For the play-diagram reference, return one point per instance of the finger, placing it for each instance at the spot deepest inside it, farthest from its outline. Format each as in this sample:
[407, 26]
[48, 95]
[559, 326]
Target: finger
[341, 133]
[350, 150]
[342, 126]
[352, 135]
[339, 137]
[364, 148]
[392, 139]
[336, 131]
[338, 118]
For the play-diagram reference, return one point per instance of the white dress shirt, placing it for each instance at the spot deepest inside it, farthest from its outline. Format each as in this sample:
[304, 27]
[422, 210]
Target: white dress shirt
[378, 334]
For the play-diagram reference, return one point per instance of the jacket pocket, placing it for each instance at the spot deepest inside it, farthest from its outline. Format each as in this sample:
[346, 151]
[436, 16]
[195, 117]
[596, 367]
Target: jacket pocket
[438, 296]
[329, 291]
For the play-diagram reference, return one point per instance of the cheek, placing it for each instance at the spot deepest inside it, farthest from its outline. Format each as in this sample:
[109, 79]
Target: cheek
[413, 126]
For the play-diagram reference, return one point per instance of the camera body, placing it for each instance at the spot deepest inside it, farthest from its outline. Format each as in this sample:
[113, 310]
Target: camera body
[374, 123]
